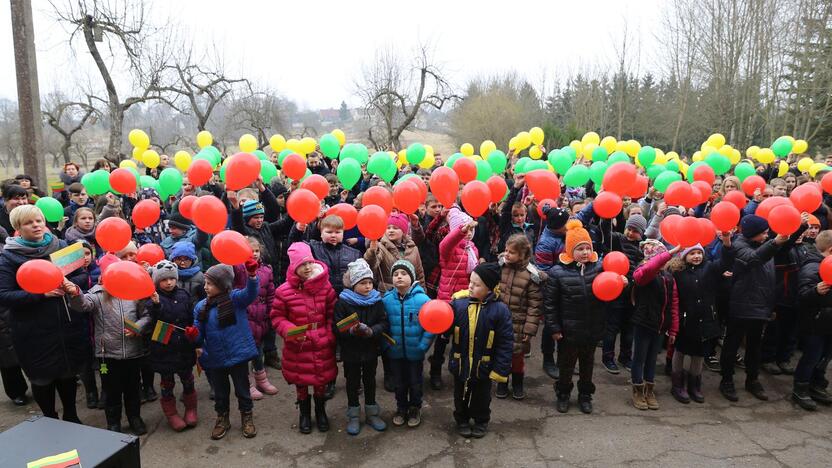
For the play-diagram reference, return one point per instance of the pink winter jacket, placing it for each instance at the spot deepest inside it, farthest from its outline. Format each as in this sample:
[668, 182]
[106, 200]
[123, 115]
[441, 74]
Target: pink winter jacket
[453, 262]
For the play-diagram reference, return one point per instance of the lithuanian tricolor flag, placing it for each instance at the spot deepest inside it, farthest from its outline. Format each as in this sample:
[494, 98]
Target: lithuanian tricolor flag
[132, 326]
[295, 333]
[69, 258]
[61, 460]
[347, 322]
[162, 332]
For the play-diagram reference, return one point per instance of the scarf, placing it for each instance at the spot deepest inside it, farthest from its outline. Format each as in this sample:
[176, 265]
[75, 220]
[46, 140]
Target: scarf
[28, 249]
[353, 298]
[74, 234]
[188, 273]
[225, 310]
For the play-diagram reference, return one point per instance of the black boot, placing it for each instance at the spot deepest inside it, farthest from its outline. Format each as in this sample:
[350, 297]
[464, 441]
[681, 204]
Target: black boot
[435, 377]
[820, 395]
[330, 390]
[92, 399]
[800, 395]
[585, 403]
[137, 425]
[726, 387]
[102, 400]
[517, 391]
[389, 384]
[551, 369]
[272, 359]
[502, 390]
[562, 403]
[305, 416]
[113, 415]
[321, 419]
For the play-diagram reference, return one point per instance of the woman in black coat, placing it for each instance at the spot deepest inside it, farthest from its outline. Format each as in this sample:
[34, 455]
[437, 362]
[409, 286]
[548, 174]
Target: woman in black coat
[49, 338]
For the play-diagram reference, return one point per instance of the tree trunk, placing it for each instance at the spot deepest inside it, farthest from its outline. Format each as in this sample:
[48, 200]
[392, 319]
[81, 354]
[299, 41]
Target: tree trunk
[114, 106]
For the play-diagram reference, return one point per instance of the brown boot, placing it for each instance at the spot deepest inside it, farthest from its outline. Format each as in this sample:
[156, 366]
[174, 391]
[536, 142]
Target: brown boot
[650, 396]
[638, 397]
[247, 419]
[221, 426]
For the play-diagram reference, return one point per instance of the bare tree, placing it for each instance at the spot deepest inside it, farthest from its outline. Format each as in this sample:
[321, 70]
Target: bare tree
[9, 135]
[260, 111]
[67, 118]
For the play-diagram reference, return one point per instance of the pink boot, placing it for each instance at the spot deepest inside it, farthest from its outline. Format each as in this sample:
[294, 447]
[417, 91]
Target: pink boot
[169, 409]
[190, 408]
[263, 384]
[255, 394]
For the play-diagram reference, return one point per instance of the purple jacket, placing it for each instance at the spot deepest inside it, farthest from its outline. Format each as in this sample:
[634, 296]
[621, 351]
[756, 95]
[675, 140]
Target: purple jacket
[258, 311]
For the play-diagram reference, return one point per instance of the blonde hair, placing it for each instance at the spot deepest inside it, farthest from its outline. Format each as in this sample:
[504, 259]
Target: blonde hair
[23, 213]
[823, 242]
[78, 213]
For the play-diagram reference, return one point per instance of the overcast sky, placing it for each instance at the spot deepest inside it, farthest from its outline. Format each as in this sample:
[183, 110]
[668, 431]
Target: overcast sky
[312, 51]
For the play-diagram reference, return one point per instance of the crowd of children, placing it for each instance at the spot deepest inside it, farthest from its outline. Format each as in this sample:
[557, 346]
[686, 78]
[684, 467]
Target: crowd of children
[518, 271]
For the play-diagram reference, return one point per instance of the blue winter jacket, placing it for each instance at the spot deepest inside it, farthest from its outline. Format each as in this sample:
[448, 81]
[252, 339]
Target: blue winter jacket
[229, 346]
[550, 245]
[412, 341]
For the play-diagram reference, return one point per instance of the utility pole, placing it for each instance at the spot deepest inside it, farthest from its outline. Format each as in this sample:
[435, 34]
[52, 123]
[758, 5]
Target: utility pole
[28, 97]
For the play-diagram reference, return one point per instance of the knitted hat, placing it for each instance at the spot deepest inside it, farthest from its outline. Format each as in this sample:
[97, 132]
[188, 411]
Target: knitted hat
[129, 248]
[105, 261]
[690, 249]
[164, 270]
[489, 273]
[357, 271]
[183, 248]
[252, 208]
[671, 210]
[575, 236]
[753, 225]
[651, 248]
[556, 217]
[637, 223]
[147, 193]
[406, 266]
[299, 253]
[458, 218]
[221, 275]
[400, 221]
[179, 222]
[813, 220]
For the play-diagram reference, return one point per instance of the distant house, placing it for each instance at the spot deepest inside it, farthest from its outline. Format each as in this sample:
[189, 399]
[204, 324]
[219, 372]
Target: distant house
[329, 116]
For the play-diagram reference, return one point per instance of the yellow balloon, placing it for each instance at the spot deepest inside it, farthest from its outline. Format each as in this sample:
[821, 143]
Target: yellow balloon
[725, 150]
[621, 146]
[800, 146]
[204, 138]
[137, 153]
[632, 148]
[278, 143]
[150, 159]
[428, 162]
[588, 149]
[248, 143]
[752, 151]
[717, 140]
[707, 150]
[577, 146]
[783, 168]
[308, 144]
[182, 160]
[683, 168]
[295, 146]
[339, 134]
[524, 140]
[804, 164]
[608, 143]
[765, 155]
[512, 144]
[428, 151]
[550, 167]
[535, 152]
[139, 138]
[672, 156]
[467, 149]
[697, 156]
[127, 164]
[403, 154]
[486, 148]
[590, 137]
[475, 157]
[661, 157]
[536, 135]
[816, 167]
[735, 156]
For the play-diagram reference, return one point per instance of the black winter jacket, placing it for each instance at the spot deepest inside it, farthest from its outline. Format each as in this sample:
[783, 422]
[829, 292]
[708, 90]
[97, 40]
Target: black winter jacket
[569, 305]
[178, 355]
[754, 279]
[337, 258]
[787, 263]
[815, 313]
[355, 348]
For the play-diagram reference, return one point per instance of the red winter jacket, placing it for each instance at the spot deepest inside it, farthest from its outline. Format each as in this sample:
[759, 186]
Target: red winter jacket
[258, 311]
[656, 298]
[453, 262]
[310, 361]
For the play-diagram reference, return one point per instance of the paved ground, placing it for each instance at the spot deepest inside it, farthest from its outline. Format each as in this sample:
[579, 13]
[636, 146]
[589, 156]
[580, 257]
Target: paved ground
[527, 433]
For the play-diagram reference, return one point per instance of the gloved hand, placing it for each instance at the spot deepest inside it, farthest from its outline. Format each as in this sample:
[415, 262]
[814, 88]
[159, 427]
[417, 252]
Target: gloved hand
[191, 333]
[251, 266]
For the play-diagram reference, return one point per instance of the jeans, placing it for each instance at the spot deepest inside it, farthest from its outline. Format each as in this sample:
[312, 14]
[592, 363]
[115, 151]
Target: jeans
[472, 400]
[407, 378]
[752, 330]
[123, 380]
[568, 355]
[357, 373]
[618, 321]
[222, 391]
[646, 345]
[13, 382]
[817, 350]
[779, 339]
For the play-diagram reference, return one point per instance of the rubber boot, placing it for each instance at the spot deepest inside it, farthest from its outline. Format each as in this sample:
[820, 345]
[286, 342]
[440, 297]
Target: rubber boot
[372, 413]
[191, 417]
[517, 391]
[800, 395]
[175, 422]
[695, 388]
[262, 383]
[305, 415]
[321, 419]
[679, 391]
[650, 395]
[247, 423]
[353, 420]
[638, 397]
[252, 388]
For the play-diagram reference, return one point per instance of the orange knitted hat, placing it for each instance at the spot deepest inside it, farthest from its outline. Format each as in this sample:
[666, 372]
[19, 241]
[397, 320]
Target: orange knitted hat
[575, 236]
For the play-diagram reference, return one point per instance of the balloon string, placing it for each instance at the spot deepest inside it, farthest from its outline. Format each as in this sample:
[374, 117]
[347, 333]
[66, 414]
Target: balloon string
[66, 307]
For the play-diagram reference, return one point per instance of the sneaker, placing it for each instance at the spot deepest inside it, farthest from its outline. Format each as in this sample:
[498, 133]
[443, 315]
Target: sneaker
[478, 431]
[712, 363]
[756, 388]
[771, 368]
[464, 429]
[610, 366]
[550, 369]
[400, 418]
[740, 362]
[414, 416]
[786, 367]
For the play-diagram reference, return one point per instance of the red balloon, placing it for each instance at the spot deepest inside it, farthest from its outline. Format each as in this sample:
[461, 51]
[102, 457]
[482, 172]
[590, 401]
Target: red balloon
[200, 172]
[406, 197]
[704, 173]
[607, 286]
[737, 198]
[543, 184]
[128, 281]
[784, 219]
[123, 181]
[372, 222]
[346, 212]
[436, 316]
[542, 204]
[476, 197]
[680, 193]
[703, 191]
[607, 204]
[752, 183]
[497, 186]
[303, 206]
[639, 188]
[420, 184]
[465, 169]
[669, 228]
[688, 231]
[725, 216]
[113, 234]
[707, 231]
[241, 170]
[294, 166]
[806, 198]
[765, 207]
[826, 182]
[379, 196]
[617, 263]
[210, 214]
[186, 205]
[231, 248]
[619, 178]
[444, 185]
[826, 269]
[317, 184]
[145, 213]
[39, 276]
[150, 253]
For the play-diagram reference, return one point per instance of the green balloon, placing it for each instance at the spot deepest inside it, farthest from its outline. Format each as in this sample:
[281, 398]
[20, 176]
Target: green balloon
[692, 170]
[560, 160]
[450, 162]
[267, 170]
[719, 163]
[170, 181]
[743, 170]
[135, 174]
[261, 155]
[52, 209]
[665, 179]
[673, 166]
[646, 156]
[415, 153]
[282, 155]
[597, 171]
[97, 183]
[534, 165]
[389, 173]
[497, 160]
[404, 178]
[147, 181]
[483, 170]
[781, 147]
[521, 166]
[571, 152]
[214, 155]
[618, 157]
[576, 176]
[379, 163]
[355, 151]
[600, 154]
[330, 146]
[654, 171]
[349, 172]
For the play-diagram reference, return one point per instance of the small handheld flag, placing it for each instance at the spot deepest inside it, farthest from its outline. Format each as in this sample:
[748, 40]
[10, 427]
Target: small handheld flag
[389, 339]
[132, 326]
[347, 322]
[69, 258]
[162, 332]
[295, 333]
[61, 460]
